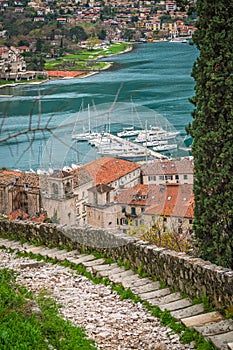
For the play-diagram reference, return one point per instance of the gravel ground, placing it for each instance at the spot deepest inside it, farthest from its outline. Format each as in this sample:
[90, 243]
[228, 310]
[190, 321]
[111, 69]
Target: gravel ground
[112, 323]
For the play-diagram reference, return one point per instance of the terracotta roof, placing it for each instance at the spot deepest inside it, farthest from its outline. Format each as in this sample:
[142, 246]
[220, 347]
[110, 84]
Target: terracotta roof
[169, 200]
[106, 170]
[20, 178]
[178, 201]
[144, 195]
[18, 214]
[164, 167]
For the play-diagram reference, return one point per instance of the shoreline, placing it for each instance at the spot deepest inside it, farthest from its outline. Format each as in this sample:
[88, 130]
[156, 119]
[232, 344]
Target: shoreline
[83, 76]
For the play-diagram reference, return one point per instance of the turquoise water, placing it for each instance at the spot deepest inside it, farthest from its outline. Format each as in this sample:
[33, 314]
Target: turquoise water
[155, 76]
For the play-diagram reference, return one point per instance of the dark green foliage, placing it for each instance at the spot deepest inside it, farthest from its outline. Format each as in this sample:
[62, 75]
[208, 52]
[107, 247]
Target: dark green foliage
[212, 130]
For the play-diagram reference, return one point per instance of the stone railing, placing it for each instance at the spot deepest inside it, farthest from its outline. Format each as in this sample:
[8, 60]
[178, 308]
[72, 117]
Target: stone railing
[192, 276]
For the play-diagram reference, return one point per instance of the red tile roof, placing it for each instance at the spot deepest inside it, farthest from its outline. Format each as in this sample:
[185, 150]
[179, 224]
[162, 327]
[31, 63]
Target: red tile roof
[107, 170]
[20, 178]
[170, 200]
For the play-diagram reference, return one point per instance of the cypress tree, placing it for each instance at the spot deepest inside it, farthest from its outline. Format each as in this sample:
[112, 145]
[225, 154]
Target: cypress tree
[212, 131]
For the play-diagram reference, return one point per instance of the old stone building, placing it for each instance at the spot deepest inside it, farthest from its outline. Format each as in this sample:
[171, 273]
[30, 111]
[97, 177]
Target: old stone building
[143, 205]
[19, 190]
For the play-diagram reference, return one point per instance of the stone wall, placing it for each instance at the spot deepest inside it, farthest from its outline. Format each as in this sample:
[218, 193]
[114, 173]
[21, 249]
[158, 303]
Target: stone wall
[189, 275]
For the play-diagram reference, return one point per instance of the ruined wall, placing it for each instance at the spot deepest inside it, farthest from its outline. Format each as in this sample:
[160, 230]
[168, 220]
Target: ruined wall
[190, 275]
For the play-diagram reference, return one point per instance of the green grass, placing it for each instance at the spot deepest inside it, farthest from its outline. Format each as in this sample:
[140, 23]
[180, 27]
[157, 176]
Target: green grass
[82, 59]
[23, 329]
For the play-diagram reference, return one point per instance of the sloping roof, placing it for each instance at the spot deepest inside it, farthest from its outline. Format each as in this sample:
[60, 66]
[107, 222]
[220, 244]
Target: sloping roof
[101, 188]
[106, 170]
[169, 200]
[20, 178]
[142, 195]
[165, 167]
[178, 201]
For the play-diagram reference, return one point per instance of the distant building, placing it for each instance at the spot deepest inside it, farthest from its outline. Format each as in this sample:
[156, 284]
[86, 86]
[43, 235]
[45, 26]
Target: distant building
[143, 205]
[19, 190]
[166, 171]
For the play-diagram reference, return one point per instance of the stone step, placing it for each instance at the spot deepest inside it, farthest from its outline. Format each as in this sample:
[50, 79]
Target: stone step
[130, 281]
[215, 328]
[141, 282]
[110, 272]
[35, 250]
[202, 319]
[169, 298]
[31, 265]
[119, 277]
[150, 287]
[26, 245]
[105, 267]
[66, 255]
[176, 305]
[230, 346]
[155, 295]
[81, 259]
[221, 341]
[188, 312]
[7, 243]
[93, 263]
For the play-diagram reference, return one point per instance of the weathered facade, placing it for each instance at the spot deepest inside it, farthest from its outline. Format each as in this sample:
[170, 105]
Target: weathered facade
[19, 190]
[166, 171]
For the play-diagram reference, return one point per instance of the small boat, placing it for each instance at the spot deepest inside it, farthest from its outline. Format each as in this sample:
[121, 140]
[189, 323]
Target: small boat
[128, 132]
[155, 135]
[86, 136]
[161, 148]
[154, 143]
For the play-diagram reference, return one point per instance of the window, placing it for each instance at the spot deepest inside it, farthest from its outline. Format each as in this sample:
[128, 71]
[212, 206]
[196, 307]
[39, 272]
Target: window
[168, 177]
[185, 177]
[133, 211]
[142, 209]
[190, 221]
[177, 177]
[161, 177]
[123, 209]
[55, 188]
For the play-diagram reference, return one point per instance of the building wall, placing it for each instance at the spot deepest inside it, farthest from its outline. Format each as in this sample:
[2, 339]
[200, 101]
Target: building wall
[61, 210]
[165, 178]
[102, 218]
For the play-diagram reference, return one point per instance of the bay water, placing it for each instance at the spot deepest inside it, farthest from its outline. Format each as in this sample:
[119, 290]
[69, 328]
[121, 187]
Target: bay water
[153, 81]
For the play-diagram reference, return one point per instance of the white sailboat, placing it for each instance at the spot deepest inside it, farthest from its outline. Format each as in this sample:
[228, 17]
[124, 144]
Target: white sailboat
[168, 147]
[128, 132]
[85, 136]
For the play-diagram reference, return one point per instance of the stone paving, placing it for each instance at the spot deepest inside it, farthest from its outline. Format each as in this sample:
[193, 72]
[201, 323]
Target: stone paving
[112, 323]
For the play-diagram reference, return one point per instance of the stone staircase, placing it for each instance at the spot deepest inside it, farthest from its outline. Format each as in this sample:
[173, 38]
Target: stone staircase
[211, 325]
